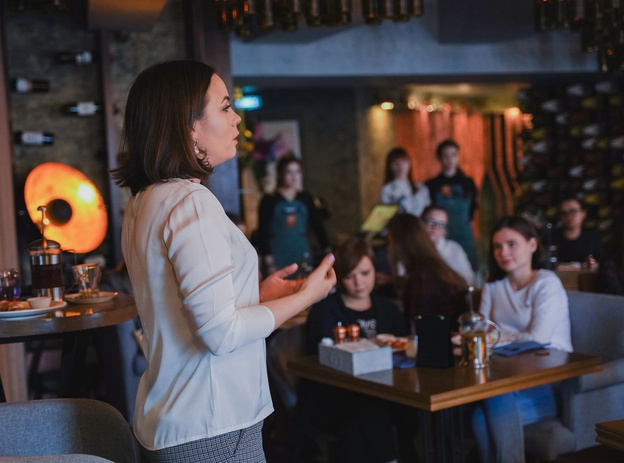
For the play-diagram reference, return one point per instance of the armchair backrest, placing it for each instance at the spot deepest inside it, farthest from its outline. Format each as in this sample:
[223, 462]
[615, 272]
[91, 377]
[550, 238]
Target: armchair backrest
[597, 322]
[66, 426]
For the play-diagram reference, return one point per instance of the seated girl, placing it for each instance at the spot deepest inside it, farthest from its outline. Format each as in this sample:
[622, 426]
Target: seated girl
[355, 301]
[528, 304]
[363, 424]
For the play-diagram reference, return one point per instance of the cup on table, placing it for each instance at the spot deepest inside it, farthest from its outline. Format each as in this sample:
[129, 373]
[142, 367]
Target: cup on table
[87, 278]
[10, 284]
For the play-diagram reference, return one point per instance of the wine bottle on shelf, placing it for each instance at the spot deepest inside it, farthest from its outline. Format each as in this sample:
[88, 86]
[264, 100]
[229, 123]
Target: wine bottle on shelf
[313, 13]
[562, 18]
[554, 105]
[75, 57]
[370, 12]
[23, 85]
[542, 18]
[608, 86]
[82, 108]
[575, 14]
[33, 138]
[580, 90]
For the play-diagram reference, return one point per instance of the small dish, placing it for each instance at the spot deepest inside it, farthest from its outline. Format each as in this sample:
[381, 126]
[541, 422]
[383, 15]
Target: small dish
[104, 296]
[39, 302]
[29, 313]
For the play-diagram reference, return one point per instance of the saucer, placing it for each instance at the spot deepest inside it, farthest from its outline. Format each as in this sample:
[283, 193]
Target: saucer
[104, 296]
[28, 313]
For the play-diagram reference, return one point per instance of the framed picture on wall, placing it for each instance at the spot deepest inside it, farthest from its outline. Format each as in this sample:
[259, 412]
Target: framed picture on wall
[272, 141]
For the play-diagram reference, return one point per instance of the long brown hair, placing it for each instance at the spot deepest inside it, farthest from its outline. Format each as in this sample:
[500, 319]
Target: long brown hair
[527, 230]
[411, 245]
[394, 155]
[164, 102]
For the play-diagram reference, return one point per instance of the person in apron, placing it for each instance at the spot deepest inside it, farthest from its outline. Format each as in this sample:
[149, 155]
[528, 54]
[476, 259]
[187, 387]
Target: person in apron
[285, 220]
[456, 193]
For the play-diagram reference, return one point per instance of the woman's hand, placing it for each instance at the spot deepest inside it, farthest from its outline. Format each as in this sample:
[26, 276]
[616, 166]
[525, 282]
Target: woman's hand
[275, 286]
[321, 281]
[303, 293]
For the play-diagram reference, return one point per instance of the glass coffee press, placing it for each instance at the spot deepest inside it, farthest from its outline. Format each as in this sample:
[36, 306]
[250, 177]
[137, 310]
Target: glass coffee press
[45, 265]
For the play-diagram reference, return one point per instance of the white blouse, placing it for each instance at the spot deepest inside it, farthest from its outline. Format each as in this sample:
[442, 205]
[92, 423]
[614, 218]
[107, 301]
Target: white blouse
[400, 192]
[195, 281]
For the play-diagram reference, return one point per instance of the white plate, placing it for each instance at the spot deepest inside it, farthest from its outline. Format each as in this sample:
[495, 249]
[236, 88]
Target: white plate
[27, 313]
[103, 297]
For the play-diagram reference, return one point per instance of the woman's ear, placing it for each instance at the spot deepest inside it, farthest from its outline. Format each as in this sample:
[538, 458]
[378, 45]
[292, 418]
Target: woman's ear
[533, 244]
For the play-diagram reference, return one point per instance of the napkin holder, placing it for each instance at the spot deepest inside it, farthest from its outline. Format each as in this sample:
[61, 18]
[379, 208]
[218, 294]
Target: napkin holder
[434, 342]
[356, 358]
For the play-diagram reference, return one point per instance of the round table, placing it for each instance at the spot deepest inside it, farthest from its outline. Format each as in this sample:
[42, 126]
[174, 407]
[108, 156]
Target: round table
[75, 323]
[69, 319]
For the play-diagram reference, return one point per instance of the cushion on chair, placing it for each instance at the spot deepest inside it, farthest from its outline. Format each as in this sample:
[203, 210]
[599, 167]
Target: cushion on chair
[64, 427]
[597, 322]
[548, 439]
[611, 373]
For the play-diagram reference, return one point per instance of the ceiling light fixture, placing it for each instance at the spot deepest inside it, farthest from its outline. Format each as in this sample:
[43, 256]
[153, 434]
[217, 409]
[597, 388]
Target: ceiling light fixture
[243, 16]
[600, 23]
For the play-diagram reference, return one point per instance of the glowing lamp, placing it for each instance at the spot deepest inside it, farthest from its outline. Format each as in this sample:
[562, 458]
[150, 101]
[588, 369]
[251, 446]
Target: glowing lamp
[75, 216]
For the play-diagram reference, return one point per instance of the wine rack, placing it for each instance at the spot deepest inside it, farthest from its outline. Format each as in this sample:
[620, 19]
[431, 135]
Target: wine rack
[573, 146]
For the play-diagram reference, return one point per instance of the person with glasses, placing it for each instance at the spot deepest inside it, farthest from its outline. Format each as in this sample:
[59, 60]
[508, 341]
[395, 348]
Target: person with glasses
[435, 219]
[574, 242]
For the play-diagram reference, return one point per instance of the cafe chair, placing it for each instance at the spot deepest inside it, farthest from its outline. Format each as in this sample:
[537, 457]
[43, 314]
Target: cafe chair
[282, 346]
[597, 322]
[65, 430]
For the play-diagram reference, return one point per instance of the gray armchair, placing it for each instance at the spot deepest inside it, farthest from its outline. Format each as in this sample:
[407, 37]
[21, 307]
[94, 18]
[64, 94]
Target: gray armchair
[72, 430]
[598, 329]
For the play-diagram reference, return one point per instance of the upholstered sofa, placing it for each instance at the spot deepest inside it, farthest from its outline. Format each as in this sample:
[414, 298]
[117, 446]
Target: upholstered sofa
[598, 329]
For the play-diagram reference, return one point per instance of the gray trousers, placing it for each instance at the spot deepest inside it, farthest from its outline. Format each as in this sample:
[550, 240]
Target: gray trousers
[243, 446]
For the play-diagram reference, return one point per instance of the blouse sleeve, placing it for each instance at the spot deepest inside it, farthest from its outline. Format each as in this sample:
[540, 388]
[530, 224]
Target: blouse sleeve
[200, 250]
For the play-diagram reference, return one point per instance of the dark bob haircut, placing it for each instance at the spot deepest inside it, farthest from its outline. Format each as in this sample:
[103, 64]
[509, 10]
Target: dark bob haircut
[445, 144]
[163, 104]
[526, 229]
[282, 164]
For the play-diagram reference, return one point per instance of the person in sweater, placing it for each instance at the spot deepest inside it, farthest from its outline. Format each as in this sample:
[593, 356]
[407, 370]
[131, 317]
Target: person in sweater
[457, 195]
[528, 304]
[400, 188]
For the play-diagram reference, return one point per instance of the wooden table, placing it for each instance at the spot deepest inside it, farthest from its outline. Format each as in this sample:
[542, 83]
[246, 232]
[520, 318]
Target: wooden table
[441, 391]
[577, 279]
[72, 323]
[611, 434]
